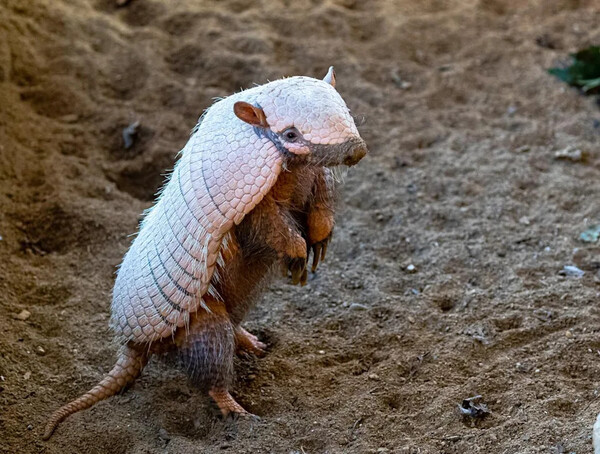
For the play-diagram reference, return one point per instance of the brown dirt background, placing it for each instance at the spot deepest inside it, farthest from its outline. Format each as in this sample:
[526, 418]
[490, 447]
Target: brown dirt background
[368, 357]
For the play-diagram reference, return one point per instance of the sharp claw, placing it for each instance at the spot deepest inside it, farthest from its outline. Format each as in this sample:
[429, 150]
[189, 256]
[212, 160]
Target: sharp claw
[261, 346]
[316, 255]
[235, 417]
[295, 278]
[324, 249]
[304, 277]
[249, 343]
[297, 267]
[253, 417]
[319, 251]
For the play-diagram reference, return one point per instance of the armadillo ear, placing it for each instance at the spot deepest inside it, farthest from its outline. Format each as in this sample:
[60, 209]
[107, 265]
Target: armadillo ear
[330, 77]
[250, 114]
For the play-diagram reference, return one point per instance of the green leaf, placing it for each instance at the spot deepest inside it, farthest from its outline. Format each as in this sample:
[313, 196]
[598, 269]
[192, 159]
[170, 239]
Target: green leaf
[562, 73]
[584, 70]
[590, 84]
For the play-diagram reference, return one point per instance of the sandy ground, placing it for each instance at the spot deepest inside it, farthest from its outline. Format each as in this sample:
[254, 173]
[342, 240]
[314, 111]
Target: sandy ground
[463, 123]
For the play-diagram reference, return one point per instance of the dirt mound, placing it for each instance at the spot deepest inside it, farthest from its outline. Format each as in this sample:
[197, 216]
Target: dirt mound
[372, 356]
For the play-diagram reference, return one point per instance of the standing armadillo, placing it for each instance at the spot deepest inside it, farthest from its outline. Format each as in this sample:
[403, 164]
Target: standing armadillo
[252, 188]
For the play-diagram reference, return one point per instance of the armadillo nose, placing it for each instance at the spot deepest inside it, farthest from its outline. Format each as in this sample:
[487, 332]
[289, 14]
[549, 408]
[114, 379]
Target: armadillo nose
[356, 154]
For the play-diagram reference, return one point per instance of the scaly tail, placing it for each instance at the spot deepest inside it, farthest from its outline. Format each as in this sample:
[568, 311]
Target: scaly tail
[129, 366]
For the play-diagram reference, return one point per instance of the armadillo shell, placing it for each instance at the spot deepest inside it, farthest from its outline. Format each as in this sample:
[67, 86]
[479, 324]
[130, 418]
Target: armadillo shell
[224, 171]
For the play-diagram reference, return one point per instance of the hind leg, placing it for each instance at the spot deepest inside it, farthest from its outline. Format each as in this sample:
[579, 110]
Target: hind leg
[226, 402]
[207, 352]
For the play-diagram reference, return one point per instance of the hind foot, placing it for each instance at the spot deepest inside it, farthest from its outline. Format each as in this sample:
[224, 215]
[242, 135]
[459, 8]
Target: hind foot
[249, 342]
[227, 404]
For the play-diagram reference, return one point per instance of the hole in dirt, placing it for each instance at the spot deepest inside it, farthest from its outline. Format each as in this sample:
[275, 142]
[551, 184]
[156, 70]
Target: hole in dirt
[56, 228]
[393, 401]
[142, 179]
[141, 140]
[445, 302]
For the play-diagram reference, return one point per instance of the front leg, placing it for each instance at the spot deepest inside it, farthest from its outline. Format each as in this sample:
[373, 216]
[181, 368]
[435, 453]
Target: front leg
[320, 216]
[284, 237]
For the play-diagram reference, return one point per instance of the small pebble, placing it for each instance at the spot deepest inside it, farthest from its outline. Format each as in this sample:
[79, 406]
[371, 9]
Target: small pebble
[571, 271]
[591, 235]
[163, 434]
[357, 307]
[569, 334]
[524, 220]
[571, 153]
[40, 350]
[374, 376]
[522, 367]
[321, 352]
[411, 268]
[27, 375]
[23, 315]
[30, 427]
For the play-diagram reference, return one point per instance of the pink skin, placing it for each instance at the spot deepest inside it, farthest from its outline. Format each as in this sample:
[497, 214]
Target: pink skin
[298, 149]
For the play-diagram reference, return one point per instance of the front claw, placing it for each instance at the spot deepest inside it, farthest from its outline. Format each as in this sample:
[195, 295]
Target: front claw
[297, 267]
[319, 250]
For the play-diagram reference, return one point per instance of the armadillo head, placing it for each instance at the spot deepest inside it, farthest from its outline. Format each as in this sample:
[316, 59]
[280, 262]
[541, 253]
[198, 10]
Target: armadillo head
[306, 119]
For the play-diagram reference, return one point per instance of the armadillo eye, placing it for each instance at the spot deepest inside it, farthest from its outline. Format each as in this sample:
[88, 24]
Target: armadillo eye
[291, 134]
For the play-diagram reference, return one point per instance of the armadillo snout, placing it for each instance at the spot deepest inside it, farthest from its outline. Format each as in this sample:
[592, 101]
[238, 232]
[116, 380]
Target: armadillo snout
[355, 154]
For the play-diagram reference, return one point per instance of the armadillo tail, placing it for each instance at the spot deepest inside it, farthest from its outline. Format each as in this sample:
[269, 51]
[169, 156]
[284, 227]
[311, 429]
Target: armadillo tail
[129, 365]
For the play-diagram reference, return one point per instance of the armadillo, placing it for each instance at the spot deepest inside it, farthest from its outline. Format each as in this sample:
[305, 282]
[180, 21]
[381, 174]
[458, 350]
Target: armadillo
[253, 187]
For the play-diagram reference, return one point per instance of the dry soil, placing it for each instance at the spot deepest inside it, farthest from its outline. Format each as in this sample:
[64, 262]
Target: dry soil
[463, 123]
